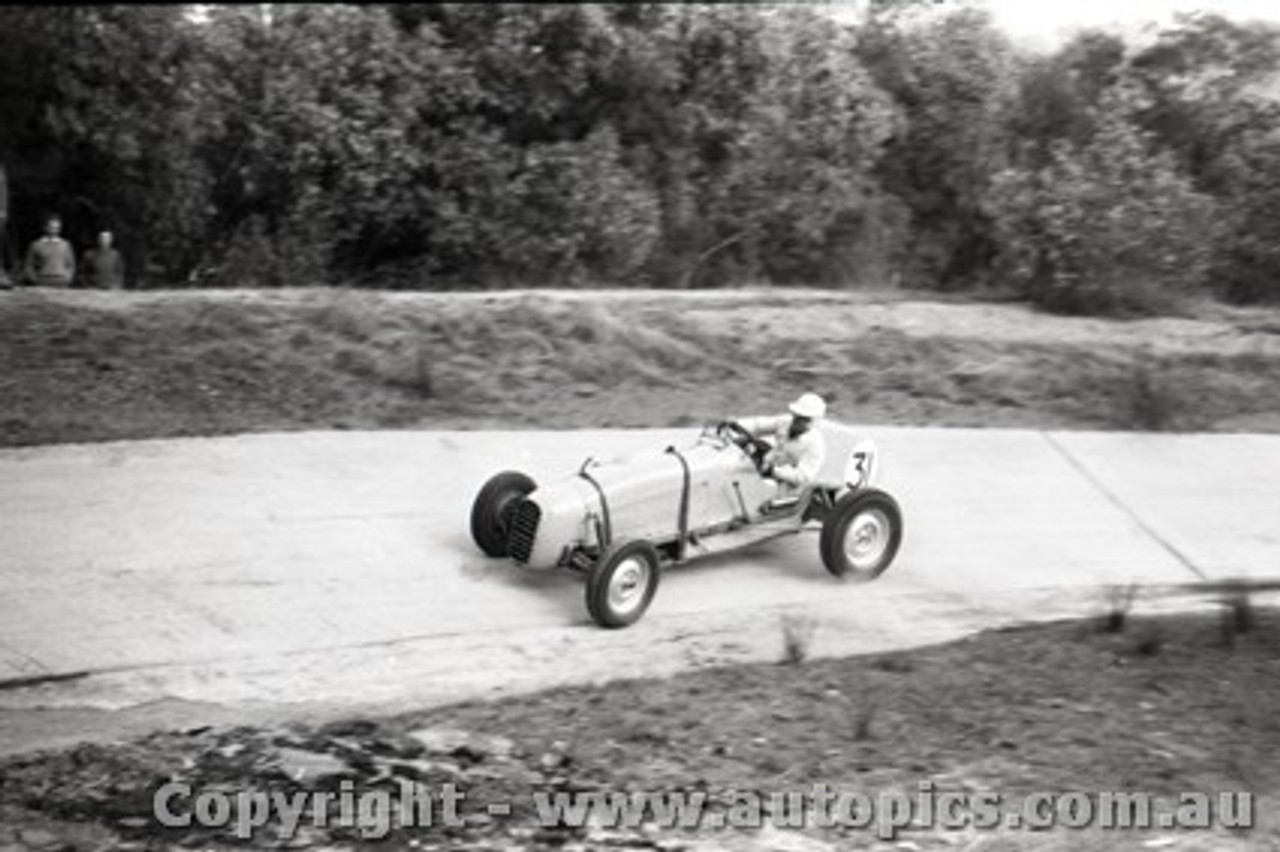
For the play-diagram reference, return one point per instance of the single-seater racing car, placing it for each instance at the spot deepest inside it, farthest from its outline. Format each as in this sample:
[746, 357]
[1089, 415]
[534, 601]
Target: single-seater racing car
[621, 522]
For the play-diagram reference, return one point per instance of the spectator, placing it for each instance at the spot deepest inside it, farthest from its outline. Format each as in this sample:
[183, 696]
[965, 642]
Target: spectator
[104, 265]
[4, 233]
[50, 260]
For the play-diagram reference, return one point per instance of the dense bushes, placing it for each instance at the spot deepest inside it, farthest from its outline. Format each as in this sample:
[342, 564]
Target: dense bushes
[1106, 226]
[444, 145]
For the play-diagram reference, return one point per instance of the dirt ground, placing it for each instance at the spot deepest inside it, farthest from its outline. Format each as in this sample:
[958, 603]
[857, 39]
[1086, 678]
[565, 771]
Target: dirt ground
[1162, 705]
[81, 366]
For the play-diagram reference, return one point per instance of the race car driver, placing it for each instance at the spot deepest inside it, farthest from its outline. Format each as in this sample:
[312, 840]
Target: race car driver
[798, 448]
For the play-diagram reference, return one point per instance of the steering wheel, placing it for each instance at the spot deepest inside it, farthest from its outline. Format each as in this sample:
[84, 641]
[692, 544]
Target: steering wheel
[755, 447]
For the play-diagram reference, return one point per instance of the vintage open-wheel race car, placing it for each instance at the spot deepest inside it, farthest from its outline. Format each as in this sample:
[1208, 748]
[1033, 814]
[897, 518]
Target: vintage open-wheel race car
[622, 522]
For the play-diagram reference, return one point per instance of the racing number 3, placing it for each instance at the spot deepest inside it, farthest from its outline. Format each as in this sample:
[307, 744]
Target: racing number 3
[859, 466]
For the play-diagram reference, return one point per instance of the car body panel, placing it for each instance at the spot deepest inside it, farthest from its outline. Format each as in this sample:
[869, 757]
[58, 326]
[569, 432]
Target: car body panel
[566, 509]
[643, 496]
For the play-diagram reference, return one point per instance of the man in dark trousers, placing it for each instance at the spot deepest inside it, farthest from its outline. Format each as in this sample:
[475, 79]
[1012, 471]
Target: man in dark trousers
[103, 264]
[51, 262]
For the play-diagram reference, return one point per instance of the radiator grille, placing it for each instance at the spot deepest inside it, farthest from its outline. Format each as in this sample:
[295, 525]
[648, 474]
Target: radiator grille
[524, 528]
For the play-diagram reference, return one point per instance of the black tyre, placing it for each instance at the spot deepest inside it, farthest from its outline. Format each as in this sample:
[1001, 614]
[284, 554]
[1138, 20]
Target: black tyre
[622, 584]
[861, 535]
[491, 511]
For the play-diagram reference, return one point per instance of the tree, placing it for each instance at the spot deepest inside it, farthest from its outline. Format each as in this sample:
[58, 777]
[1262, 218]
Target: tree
[806, 157]
[952, 76]
[519, 167]
[1208, 82]
[1056, 97]
[1246, 266]
[1108, 226]
[760, 132]
[99, 122]
[1215, 106]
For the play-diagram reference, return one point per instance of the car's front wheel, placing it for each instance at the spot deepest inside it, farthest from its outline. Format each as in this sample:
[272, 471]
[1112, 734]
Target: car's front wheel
[491, 511]
[622, 583]
[861, 535]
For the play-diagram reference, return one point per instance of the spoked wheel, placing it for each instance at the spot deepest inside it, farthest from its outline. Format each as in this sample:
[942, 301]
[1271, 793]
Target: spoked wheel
[622, 584]
[491, 512]
[862, 534]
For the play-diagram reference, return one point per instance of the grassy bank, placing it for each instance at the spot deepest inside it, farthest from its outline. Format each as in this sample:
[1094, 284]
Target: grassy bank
[87, 366]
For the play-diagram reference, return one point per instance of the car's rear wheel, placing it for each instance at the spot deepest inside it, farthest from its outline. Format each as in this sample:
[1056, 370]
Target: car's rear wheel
[622, 583]
[492, 509]
[861, 535]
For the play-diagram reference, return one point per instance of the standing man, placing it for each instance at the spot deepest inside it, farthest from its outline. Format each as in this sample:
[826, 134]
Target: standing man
[5, 283]
[104, 265]
[50, 260]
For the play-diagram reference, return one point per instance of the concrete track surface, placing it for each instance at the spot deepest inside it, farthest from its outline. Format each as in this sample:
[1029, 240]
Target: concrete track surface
[332, 572]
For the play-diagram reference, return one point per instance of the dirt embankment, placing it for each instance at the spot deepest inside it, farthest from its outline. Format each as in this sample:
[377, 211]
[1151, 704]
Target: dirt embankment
[1161, 706]
[88, 366]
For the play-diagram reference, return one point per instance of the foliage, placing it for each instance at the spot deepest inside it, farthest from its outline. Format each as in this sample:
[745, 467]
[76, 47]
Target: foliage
[101, 115]
[780, 128]
[1209, 83]
[1107, 226]
[1056, 98]
[1247, 262]
[817, 129]
[674, 145]
[1212, 86]
[951, 76]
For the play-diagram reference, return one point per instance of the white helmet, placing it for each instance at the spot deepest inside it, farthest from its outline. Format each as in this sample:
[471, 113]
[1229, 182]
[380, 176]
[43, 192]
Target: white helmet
[809, 405]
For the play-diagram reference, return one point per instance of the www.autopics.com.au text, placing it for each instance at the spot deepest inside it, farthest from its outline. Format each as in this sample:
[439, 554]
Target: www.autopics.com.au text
[375, 813]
